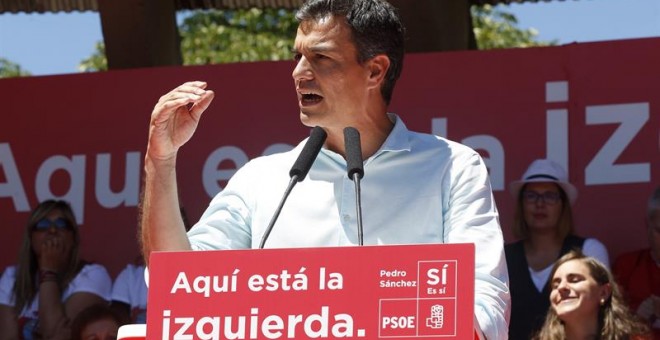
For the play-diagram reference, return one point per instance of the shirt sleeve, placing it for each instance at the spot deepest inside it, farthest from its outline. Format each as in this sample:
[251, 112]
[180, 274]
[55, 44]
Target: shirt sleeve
[7, 285]
[93, 278]
[121, 286]
[130, 287]
[471, 217]
[225, 224]
[594, 248]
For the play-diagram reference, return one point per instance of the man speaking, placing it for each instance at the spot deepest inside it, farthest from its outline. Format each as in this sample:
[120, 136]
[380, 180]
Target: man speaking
[421, 188]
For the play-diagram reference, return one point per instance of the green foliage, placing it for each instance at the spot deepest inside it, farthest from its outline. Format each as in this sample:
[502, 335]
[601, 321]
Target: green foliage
[224, 36]
[96, 62]
[495, 28]
[210, 37]
[237, 36]
[10, 69]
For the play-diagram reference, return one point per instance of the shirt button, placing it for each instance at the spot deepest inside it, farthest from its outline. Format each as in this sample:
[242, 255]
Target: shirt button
[347, 217]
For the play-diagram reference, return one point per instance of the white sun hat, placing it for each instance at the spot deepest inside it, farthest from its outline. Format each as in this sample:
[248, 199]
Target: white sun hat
[545, 170]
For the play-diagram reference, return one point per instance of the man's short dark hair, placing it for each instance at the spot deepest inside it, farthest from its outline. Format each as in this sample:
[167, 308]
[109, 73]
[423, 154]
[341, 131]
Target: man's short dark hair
[376, 29]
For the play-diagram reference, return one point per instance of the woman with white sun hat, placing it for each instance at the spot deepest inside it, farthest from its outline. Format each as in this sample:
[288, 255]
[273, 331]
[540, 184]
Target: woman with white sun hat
[543, 226]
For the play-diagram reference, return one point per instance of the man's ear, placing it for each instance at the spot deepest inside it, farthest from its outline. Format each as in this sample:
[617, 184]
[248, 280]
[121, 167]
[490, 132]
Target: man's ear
[378, 67]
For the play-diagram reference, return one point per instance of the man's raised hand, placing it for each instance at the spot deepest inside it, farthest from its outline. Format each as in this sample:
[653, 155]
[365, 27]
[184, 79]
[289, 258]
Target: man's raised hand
[175, 118]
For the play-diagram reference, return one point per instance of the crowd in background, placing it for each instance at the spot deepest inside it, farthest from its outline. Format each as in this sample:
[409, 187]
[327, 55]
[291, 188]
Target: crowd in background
[53, 293]
[560, 282]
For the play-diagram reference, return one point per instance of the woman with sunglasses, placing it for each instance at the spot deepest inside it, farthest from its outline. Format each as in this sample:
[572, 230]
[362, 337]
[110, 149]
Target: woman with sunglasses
[586, 303]
[50, 284]
[543, 226]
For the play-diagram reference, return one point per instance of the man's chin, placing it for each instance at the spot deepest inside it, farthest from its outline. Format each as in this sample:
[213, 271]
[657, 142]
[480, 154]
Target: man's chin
[308, 119]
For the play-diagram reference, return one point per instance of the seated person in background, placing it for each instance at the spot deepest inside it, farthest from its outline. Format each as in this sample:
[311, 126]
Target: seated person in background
[638, 272]
[544, 228]
[129, 293]
[51, 284]
[97, 322]
[586, 303]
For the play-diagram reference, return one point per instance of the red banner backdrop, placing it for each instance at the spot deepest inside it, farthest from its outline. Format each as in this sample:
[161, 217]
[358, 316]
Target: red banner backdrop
[592, 107]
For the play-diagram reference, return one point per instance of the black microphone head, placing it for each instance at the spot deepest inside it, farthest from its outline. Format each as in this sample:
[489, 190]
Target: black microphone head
[353, 152]
[308, 154]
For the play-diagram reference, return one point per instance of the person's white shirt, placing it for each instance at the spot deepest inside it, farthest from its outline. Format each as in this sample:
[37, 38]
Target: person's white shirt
[591, 247]
[92, 278]
[417, 188]
[130, 288]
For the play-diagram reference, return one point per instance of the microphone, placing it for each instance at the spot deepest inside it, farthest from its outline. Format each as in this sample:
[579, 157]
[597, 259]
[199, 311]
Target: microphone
[353, 153]
[308, 154]
[298, 172]
[355, 171]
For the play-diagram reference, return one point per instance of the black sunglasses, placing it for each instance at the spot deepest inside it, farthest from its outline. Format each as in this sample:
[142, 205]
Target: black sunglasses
[58, 223]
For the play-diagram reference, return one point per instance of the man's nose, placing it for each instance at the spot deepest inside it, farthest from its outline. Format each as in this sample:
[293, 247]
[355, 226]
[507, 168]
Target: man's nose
[302, 71]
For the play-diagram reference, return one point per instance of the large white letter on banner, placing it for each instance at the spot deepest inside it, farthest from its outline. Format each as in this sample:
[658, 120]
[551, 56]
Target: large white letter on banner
[601, 169]
[129, 194]
[211, 174]
[14, 186]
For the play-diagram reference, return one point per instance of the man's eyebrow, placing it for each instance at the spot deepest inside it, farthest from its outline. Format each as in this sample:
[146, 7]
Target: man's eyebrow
[320, 48]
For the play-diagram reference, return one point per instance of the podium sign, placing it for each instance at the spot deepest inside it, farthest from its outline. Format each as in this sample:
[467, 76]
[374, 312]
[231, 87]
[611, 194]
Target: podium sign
[369, 292]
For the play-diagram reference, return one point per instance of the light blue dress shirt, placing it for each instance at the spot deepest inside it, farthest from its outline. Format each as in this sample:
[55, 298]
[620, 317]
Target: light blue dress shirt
[417, 188]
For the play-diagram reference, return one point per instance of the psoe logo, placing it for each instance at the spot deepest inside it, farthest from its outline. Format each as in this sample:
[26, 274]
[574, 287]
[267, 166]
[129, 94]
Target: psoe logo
[436, 320]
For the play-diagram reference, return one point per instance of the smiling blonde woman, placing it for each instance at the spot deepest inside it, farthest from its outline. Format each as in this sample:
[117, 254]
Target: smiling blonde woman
[585, 303]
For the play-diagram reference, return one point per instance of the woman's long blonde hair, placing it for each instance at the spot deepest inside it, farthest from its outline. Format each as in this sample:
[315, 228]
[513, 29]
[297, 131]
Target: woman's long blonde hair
[26, 285]
[615, 321]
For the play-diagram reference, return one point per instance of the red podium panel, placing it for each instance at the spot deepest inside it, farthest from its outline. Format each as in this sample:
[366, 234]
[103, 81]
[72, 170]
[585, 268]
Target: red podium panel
[370, 292]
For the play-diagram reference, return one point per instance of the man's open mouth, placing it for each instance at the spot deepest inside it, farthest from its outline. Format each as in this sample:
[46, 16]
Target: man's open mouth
[310, 98]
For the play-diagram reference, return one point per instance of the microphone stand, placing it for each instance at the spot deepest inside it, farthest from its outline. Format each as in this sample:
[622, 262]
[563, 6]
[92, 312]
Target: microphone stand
[292, 183]
[355, 169]
[298, 172]
[358, 208]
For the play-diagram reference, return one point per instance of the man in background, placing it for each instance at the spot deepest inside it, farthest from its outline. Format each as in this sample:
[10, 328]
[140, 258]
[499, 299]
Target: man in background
[638, 272]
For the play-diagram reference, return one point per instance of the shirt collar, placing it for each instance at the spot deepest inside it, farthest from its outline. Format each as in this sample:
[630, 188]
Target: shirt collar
[397, 140]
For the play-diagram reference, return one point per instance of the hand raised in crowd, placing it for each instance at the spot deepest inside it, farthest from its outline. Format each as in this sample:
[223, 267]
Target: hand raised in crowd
[54, 254]
[175, 118]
